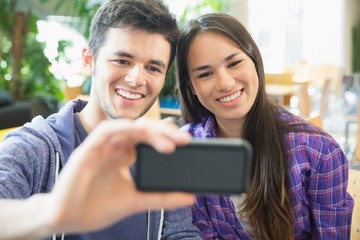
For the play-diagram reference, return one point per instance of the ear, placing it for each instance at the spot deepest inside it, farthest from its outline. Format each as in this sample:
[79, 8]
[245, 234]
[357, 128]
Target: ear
[87, 60]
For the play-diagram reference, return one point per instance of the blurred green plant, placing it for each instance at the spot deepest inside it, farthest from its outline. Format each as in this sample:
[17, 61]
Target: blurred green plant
[84, 12]
[24, 69]
[356, 48]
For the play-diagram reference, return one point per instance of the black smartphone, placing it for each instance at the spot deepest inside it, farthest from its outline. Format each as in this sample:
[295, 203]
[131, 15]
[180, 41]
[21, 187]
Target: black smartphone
[216, 165]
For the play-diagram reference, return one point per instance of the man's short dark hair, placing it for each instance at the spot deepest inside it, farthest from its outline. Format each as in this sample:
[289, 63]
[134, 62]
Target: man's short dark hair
[150, 16]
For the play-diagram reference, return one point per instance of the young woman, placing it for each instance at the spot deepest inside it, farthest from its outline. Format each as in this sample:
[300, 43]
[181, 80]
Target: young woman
[299, 173]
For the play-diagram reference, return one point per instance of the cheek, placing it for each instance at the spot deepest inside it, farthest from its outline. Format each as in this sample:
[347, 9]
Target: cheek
[156, 85]
[251, 79]
[197, 90]
[256, 83]
[254, 86]
[100, 72]
[203, 93]
[202, 87]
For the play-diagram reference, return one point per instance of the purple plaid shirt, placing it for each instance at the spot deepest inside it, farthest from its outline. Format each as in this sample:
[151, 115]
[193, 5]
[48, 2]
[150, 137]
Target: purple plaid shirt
[318, 174]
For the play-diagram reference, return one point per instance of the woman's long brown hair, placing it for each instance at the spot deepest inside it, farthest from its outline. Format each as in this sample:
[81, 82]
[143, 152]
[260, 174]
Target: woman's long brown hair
[267, 202]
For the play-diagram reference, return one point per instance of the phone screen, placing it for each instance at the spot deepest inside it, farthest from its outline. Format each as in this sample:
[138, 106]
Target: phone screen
[204, 166]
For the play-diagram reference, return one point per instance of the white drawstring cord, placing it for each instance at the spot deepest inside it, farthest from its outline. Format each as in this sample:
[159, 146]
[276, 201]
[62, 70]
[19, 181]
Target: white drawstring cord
[161, 223]
[57, 167]
[57, 170]
[148, 226]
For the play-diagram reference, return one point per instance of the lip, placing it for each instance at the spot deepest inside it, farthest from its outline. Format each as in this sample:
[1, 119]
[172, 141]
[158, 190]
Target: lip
[129, 95]
[230, 97]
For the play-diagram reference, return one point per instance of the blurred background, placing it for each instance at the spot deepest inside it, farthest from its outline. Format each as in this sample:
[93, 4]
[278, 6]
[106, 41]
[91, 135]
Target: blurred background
[310, 48]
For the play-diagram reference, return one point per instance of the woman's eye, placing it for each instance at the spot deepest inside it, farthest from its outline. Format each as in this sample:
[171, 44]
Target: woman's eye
[204, 75]
[233, 64]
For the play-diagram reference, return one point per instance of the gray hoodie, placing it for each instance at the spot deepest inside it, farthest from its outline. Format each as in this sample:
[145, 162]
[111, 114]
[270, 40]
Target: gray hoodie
[32, 156]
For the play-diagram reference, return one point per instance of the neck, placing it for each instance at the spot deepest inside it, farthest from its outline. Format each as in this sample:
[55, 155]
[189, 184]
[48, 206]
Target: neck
[91, 116]
[229, 129]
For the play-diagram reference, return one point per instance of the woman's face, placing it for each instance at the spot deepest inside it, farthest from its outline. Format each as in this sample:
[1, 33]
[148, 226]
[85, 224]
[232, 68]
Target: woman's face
[223, 77]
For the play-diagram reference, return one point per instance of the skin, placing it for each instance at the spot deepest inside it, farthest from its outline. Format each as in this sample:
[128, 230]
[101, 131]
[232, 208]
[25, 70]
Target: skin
[224, 79]
[95, 188]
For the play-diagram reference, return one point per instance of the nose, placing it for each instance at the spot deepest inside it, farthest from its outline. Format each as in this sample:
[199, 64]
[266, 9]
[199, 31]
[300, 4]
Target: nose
[224, 82]
[135, 76]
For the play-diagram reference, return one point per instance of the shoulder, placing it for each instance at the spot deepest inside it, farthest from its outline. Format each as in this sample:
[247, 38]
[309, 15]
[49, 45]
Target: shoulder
[55, 133]
[25, 155]
[306, 143]
[66, 113]
[63, 124]
[306, 135]
[31, 141]
[38, 130]
[312, 147]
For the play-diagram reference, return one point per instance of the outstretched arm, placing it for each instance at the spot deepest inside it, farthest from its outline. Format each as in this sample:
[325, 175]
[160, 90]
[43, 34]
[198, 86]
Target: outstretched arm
[95, 188]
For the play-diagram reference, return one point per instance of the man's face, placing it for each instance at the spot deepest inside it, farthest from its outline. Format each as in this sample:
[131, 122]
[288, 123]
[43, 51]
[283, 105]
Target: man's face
[129, 72]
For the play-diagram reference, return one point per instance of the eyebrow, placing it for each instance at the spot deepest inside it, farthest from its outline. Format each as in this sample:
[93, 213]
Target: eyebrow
[123, 54]
[159, 63]
[228, 58]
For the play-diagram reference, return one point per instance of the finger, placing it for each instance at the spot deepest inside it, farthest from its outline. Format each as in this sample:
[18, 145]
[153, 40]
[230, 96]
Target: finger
[134, 132]
[116, 140]
[163, 136]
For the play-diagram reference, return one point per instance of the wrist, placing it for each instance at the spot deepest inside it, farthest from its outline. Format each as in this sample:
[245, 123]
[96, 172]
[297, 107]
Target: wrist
[42, 215]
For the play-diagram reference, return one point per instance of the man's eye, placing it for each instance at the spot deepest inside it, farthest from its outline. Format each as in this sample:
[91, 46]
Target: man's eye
[204, 75]
[122, 62]
[233, 64]
[154, 69]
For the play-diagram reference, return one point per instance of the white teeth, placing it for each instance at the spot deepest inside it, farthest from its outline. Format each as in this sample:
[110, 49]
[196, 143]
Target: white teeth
[230, 98]
[128, 95]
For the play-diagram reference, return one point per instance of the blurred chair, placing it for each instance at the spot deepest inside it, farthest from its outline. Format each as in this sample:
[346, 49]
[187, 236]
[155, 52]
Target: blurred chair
[73, 92]
[328, 78]
[292, 78]
[13, 112]
[354, 191]
[315, 119]
[305, 103]
[353, 150]
[325, 94]
[280, 80]
[317, 83]
[357, 148]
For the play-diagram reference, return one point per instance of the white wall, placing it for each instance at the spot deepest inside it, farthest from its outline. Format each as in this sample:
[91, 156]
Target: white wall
[326, 28]
[323, 31]
[239, 9]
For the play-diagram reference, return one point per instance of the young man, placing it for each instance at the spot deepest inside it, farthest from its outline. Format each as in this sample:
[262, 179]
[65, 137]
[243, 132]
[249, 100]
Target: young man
[131, 46]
